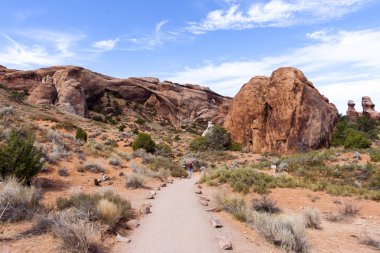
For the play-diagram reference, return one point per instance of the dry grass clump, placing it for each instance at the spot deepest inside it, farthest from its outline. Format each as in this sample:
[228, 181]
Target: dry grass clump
[265, 204]
[106, 207]
[6, 110]
[233, 205]
[63, 172]
[17, 201]
[114, 161]
[284, 231]
[312, 217]
[92, 166]
[108, 211]
[366, 239]
[349, 209]
[145, 156]
[75, 231]
[134, 181]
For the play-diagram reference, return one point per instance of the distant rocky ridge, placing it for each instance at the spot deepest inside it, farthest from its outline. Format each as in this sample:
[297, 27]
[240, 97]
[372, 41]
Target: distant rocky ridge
[368, 109]
[76, 90]
[283, 113]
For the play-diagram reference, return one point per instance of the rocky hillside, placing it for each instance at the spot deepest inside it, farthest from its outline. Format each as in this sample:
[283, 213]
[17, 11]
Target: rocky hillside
[80, 91]
[282, 113]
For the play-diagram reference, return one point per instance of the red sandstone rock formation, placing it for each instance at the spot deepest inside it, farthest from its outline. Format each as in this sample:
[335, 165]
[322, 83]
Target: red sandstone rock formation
[369, 108]
[283, 113]
[74, 89]
[351, 111]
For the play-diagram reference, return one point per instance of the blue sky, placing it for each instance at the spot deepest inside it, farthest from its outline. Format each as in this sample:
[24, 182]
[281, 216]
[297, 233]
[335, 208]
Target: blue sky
[216, 43]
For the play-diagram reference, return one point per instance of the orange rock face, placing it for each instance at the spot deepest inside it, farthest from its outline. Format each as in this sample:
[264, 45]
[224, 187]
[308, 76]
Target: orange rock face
[283, 113]
[74, 89]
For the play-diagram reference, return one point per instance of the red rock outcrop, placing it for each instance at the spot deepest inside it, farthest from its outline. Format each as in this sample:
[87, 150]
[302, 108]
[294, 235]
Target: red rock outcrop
[351, 112]
[74, 89]
[369, 108]
[283, 113]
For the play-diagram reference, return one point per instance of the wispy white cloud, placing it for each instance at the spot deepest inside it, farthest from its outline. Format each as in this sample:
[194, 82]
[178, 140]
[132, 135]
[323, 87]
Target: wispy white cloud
[38, 48]
[105, 45]
[24, 15]
[339, 64]
[274, 13]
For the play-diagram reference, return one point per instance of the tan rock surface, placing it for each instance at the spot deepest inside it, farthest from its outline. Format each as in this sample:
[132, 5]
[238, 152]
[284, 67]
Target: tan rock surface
[283, 113]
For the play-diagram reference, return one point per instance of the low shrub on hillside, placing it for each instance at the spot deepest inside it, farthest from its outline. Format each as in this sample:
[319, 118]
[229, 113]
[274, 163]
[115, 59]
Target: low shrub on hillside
[19, 157]
[217, 139]
[99, 206]
[163, 149]
[167, 164]
[265, 204]
[134, 181]
[355, 133]
[312, 217]
[17, 202]
[81, 135]
[144, 141]
[114, 161]
[91, 166]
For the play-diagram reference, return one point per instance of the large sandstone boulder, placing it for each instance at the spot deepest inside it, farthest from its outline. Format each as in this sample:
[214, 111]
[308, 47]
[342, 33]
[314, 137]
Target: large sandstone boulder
[283, 113]
[45, 93]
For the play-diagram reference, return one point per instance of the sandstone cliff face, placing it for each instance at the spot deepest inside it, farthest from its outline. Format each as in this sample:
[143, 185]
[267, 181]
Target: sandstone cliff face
[74, 90]
[283, 113]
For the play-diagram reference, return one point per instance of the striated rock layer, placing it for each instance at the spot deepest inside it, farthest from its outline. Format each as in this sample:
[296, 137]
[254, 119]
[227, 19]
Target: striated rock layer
[74, 89]
[283, 113]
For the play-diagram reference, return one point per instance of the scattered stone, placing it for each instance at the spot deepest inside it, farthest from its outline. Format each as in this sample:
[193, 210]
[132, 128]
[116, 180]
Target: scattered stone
[197, 190]
[163, 185]
[224, 243]
[170, 180]
[133, 223]
[153, 193]
[276, 161]
[121, 174]
[282, 167]
[262, 159]
[150, 196]
[213, 209]
[157, 188]
[145, 208]
[215, 222]
[205, 203]
[357, 156]
[273, 167]
[204, 198]
[120, 238]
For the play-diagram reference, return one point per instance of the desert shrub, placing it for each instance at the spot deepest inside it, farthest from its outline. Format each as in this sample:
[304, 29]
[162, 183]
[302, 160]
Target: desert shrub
[163, 149]
[122, 127]
[265, 204]
[140, 121]
[217, 139]
[366, 239]
[91, 166]
[284, 231]
[57, 153]
[81, 134]
[177, 138]
[347, 131]
[145, 156]
[375, 154]
[75, 231]
[17, 202]
[19, 157]
[312, 217]
[168, 164]
[134, 181]
[349, 208]
[144, 141]
[356, 139]
[89, 204]
[233, 205]
[7, 110]
[234, 146]
[67, 125]
[63, 172]
[114, 161]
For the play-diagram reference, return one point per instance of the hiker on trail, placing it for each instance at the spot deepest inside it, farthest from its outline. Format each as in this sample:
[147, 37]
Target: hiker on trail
[190, 169]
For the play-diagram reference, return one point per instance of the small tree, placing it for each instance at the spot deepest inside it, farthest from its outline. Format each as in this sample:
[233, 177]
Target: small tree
[144, 141]
[217, 139]
[19, 157]
[81, 134]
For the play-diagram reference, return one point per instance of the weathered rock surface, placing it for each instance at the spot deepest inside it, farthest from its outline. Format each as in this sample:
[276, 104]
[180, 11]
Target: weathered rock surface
[74, 89]
[283, 113]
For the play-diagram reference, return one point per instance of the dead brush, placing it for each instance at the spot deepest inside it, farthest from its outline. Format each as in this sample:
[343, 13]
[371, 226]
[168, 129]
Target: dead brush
[312, 217]
[265, 204]
[349, 209]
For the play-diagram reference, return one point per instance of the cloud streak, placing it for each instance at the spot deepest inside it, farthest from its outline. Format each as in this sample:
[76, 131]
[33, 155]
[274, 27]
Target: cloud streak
[333, 62]
[274, 13]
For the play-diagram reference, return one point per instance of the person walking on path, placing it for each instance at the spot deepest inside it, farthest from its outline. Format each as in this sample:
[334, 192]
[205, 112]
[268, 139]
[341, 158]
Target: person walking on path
[190, 169]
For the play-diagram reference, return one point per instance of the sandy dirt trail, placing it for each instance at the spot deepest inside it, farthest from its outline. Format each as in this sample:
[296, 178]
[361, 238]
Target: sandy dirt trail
[177, 224]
